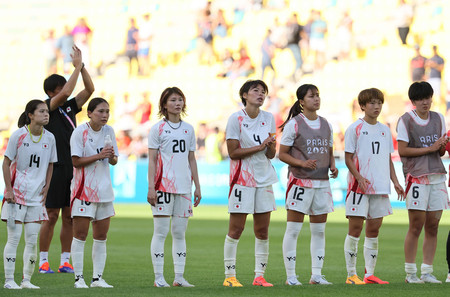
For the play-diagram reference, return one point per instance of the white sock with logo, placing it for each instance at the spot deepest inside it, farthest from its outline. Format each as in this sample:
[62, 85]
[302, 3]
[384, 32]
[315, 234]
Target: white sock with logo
[229, 253]
[317, 247]
[65, 257]
[370, 254]
[9, 253]
[179, 226]
[351, 254]
[43, 257]
[290, 246]
[161, 226]
[98, 258]
[261, 256]
[78, 257]
[30, 250]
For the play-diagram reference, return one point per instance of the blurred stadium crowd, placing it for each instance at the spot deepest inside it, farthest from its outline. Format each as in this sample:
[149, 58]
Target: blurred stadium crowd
[135, 48]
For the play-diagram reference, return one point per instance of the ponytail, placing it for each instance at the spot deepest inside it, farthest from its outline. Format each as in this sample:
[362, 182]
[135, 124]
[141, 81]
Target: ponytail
[294, 111]
[23, 120]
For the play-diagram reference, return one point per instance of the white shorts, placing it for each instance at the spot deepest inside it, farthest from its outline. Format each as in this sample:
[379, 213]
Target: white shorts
[26, 214]
[170, 204]
[310, 201]
[427, 197]
[371, 206]
[317, 44]
[251, 200]
[95, 210]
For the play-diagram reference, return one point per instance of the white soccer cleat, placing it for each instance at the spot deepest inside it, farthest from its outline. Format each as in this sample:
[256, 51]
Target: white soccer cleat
[100, 283]
[448, 278]
[318, 280]
[429, 278]
[161, 283]
[293, 281]
[182, 283]
[27, 285]
[80, 284]
[11, 284]
[413, 279]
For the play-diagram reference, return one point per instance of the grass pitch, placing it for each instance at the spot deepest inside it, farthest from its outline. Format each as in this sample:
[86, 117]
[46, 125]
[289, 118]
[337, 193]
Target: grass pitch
[129, 268]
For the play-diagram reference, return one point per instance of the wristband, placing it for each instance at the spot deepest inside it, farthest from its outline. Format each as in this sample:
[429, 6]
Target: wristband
[82, 66]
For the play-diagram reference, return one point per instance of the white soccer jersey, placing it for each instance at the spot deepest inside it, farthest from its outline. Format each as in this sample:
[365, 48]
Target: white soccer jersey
[289, 133]
[91, 183]
[29, 165]
[173, 141]
[371, 146]
[255, 170]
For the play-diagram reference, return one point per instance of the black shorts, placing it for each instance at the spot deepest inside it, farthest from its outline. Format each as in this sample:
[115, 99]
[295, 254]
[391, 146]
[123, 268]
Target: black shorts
[59, 192]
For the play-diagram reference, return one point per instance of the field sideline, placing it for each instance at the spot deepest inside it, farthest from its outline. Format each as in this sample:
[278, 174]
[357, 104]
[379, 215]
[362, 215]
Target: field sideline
[129, 268]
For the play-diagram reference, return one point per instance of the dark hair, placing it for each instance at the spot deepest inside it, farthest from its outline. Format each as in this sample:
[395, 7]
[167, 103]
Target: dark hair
[250, 84]
[297, 107]
[52, 82]
[95, 102]
[165, 96]
[31, 107]
[420, 90]
[366, 95]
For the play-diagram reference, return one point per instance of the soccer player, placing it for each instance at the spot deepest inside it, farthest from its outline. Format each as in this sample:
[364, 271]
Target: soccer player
[421, 143]
[448, 258]
[368, 148]
[171, 169]
[93, 147]
[27, 170]
[307, 147]
[62, 123]
[251, 144]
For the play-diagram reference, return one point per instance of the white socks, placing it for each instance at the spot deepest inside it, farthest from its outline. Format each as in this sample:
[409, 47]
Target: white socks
[98, 258]
[426, 269]
[30, 251]
[161, 227]
[317, 247]
[77, 257]
[229, 253]
[351, 253]
[261, 256]
[65, 257]
[410, 268]
[370, 254]
[179, 226]
[9, 253]
[290, 246]
[43, 257]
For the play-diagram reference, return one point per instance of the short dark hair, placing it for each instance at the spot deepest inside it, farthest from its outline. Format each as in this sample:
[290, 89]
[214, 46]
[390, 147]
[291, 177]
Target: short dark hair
[250, 84]
[366, 95]
[420, 90]
[52, 82]
[95, 102]
[165, 96]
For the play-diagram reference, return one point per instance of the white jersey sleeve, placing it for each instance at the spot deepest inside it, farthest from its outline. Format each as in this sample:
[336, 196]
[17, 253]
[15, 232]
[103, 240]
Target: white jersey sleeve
[289, 133]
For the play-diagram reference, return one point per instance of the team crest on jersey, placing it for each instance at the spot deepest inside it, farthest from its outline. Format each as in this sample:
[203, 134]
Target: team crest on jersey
[237, 206]
[293, 203]
[185, 131]
[68, 109]
[415, 203]
[160, 208]
[353, 209]
[383, 134]
[45, 145]
[82, 209]
[263, 124]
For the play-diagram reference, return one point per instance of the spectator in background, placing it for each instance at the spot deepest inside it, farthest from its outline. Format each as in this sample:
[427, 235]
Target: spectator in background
[227, 63]
[403, 16]
[81, 36]
[202, 133]
[317, 39]
[417, 65]
[205, 37]
[49, 51]
[145, 38]
[132, 45]
[144, 109]
[242, 67]
[294, 35]
[64, 46]
[213, 144]
[267, 50]
[344, 36]
[435, 64]
[220, 26]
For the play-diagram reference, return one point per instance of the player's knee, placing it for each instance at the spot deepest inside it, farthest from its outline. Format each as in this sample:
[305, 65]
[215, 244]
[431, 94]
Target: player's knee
[262, 233]
[431, 231]
[52, 218]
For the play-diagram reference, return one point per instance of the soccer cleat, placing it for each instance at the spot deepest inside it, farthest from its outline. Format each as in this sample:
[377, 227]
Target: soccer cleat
[27, 285]
[448, 278]
[161, 283]
[100, 283]
[318, 280]
[293, 281]
[354, 280]
[65, 268]
[374, 280]
[260, 281]
[80, 284]
[181, 282]
[413, 279]
[429, 278]
[11, 284]
[45, 268]
[232, 282]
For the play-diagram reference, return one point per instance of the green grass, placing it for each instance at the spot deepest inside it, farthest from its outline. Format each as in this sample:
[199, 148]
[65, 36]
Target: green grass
[129, 266]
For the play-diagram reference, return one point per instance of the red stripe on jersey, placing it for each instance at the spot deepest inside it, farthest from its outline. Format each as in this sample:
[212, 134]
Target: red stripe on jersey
[290, 186]
[408, 184]
[159, 173]
[79, 191]
[235, 177]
